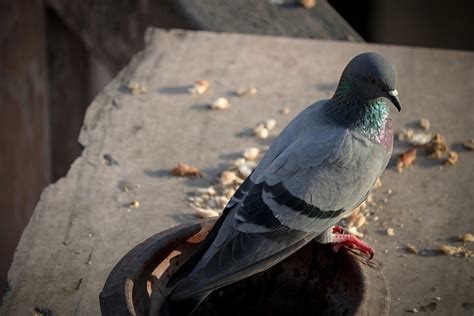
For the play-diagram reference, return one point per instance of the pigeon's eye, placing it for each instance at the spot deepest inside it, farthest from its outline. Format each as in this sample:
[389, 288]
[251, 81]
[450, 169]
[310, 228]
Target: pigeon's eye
[372, 79]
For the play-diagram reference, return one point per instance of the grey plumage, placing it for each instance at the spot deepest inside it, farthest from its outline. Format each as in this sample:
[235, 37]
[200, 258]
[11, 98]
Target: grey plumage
[321, 166]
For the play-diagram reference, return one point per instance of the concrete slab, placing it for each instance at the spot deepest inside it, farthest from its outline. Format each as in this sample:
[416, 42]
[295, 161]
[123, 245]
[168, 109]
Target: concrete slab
[81, 226]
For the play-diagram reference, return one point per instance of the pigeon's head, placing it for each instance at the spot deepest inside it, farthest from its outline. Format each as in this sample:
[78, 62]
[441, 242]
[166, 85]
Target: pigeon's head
[372, 76]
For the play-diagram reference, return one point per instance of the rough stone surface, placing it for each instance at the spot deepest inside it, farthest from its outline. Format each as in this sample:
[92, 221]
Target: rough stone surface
[82, 226]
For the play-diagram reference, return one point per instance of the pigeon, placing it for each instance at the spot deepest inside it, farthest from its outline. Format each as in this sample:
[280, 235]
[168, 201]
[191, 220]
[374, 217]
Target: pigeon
[321, 166]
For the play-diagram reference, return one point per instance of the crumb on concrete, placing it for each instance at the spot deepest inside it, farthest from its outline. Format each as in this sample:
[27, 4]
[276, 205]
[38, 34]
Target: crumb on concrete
[219, 104]
[244, 92]
[437, 147]
[251, 153]
[134, 204]
[468, 237]
[206, 212]
[285, 110]
[199, 87]
[424, 124]
[469, 144]
[137, 88]
[406, 159]
[455, 251]
[452, 158]
[308, 4]
[411, 248]
[185, 170]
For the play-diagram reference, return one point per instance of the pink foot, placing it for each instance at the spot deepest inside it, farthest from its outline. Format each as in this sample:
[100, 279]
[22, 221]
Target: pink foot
[346, 240]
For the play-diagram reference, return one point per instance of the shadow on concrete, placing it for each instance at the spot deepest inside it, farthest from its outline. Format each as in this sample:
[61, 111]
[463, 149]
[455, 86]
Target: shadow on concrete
[174, 90]
[162, 173]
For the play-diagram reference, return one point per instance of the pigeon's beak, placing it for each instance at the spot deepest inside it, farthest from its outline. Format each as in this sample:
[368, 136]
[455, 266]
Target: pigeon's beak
[393, 96]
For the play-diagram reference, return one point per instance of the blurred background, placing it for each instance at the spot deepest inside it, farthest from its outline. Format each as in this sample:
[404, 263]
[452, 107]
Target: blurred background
[57, 55]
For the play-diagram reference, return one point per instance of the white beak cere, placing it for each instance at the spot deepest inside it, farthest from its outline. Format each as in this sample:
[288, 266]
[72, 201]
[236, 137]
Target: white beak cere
[393, 93]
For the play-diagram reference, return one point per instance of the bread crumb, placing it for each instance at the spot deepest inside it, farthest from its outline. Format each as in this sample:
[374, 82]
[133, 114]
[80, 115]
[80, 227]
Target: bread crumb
[411, 248]
[228, 177]
[185, 170]
[424, 124]
[137, 88]
[200, 87]
[220, 104]
[390, 231]
[308, 4]
[421, 139]
[466, 237]
[452, 158]
[206, 212]
[270, 124]
[405, 134]
[437, 147]
[406, 159]
[134, 204]
[455, 251]
[378, 184]
[251, 153]
[285, 110]
[469, 144]
[243, 92]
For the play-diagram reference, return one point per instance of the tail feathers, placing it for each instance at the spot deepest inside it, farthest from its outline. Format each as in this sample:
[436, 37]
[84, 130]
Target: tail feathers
[184, 307]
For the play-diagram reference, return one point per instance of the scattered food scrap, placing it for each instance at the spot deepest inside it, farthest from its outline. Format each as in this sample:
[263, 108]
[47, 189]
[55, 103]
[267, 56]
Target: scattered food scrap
[220, 104]
[411, 248]
[229, 177]
[455, 251]
[356, 218]
[261, 132]
[137, 88]
[206, 212]
[200, 87]
[134, 204]
[244, 167]
[437, 147]
[263, 128]
[452, 158]
[270, 124]
[424, 124]
[251, 153]
[405, 134]
[185, 170]
[390, 232]
[378, 184]
[285, 110]
[308, 4]
[466, 237]
[469, 144]
[210, 201]
[244, 92]
[421, 139]
[406, 159]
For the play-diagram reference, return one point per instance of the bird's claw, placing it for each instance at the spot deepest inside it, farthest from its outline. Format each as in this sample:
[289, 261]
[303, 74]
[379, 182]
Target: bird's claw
[350, 241]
